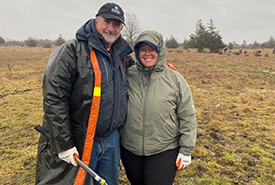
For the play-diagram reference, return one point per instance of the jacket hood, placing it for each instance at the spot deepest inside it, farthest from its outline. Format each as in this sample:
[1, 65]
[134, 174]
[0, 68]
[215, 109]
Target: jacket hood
[87, 32]
[155, 39]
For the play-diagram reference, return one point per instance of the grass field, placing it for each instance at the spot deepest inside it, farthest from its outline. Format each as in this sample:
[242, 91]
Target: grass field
[234, 97]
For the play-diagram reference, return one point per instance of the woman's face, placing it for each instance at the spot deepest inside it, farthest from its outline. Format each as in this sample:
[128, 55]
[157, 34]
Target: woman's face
[148, 55]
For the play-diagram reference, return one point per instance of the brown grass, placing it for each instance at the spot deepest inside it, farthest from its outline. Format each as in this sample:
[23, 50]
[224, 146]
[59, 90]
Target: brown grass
[235, 100]
[234, 97]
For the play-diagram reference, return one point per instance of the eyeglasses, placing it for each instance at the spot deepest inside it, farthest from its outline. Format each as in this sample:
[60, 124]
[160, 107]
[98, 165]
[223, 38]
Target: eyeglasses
[151, 51]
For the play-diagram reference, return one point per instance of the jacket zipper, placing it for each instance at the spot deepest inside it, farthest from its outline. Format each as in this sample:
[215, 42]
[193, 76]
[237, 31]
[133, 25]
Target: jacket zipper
[115, 102]
[112, 61]
[123, 74]
[106, 69]
[147, 84]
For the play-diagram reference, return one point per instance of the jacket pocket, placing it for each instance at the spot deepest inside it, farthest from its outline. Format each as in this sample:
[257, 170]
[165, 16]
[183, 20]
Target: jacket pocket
[44, 143]
[175, 123]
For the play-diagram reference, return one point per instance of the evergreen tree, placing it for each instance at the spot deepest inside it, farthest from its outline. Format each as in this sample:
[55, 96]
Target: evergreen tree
[214, 40]
[59, 41]
[270, 43]
[171, 42]
[230, 45]
[206, 37]
[2, 41]
[255, 45]
[198, 39]
[185, 44]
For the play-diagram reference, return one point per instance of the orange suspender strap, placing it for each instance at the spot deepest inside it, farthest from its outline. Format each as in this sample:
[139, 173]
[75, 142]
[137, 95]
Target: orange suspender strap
[89, 140]
[171, 66]
[124, 62]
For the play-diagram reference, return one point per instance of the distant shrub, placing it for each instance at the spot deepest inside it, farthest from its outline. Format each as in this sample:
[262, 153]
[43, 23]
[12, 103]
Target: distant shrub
[2, 41]
[47, 45]
[30, 42]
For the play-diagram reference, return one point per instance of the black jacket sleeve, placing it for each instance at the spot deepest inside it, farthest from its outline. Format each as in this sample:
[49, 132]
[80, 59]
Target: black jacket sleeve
[57, 87]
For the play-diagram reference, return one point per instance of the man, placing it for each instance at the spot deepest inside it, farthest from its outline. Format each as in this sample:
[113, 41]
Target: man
[85, 102]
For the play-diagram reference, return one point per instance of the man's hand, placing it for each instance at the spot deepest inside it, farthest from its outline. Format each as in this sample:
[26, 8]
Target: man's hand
[182, 161]
[68, 156]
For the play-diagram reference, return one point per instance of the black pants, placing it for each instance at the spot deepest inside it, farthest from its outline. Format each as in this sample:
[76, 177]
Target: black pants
[158, 169]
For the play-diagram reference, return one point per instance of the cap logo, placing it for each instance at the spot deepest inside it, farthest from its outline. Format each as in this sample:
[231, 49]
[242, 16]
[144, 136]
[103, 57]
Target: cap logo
[115, 10]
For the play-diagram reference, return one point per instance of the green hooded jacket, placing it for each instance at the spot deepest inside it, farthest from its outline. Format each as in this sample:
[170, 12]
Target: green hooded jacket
[161, 113]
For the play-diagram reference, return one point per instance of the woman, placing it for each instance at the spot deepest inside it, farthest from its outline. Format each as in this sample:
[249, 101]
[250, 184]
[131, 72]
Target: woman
[160, 131]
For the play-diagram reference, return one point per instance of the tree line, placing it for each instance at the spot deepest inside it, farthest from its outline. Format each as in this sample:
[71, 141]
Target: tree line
[207, 37]
[204, 37]
[32, 42]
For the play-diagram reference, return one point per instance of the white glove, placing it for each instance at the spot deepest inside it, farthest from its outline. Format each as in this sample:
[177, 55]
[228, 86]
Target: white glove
[182, 161]
[68, 156]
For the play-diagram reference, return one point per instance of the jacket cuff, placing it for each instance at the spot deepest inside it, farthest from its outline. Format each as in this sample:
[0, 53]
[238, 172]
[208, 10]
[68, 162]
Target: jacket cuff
[187, 151]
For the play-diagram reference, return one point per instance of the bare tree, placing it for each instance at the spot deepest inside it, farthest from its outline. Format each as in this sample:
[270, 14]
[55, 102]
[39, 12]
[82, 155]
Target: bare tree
[132, 29]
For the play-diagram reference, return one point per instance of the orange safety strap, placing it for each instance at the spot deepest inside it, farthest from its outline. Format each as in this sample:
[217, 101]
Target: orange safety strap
[124, 62]
[171, 66]
[89, 140]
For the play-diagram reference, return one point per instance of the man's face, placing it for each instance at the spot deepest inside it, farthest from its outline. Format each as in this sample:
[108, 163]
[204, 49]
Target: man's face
[109, 28]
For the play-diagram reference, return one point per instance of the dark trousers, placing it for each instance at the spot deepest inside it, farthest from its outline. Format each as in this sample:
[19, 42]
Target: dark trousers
[158, 169]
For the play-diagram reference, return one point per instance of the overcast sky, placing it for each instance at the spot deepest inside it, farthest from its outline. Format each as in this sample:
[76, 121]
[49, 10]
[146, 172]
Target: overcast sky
[236, 20]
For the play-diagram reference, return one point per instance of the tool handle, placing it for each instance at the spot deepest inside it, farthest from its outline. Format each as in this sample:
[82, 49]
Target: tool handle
[90, 171]
[42, 131]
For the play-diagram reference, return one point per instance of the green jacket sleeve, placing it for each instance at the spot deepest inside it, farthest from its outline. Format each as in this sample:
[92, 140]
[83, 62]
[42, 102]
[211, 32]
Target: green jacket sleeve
[187, 120]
